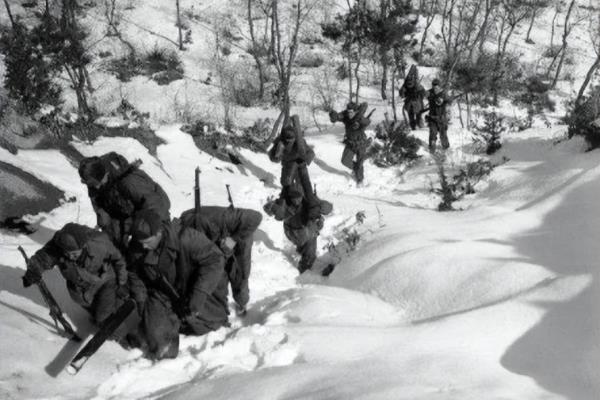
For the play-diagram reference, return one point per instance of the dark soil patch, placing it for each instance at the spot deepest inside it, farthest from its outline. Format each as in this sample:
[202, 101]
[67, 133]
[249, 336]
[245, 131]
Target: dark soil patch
[23, 193]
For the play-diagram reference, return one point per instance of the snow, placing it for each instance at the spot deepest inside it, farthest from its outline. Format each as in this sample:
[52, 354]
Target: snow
[499, 300]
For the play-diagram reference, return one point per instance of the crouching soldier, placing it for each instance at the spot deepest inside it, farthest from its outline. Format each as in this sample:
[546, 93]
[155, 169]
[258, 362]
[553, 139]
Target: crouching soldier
[302, 216]
[96, 274]
[186, 281]
[118, 190]
[232, 230]
[355, 138]
[290, 148]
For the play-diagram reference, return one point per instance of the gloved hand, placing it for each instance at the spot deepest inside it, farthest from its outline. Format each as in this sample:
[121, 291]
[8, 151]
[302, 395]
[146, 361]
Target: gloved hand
[227, 245]
[31, 277]
[332, 116]
[122, 292]
[240, 311]
[355, 125]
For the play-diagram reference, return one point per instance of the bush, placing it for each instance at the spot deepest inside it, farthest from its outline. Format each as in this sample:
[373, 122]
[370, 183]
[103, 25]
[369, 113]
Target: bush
[27, 77]
[487, 136]
[583, 118]
[483, 79]
[397, 145]
[163, 66]
[552, 52]
[309, 60]
[462, 183]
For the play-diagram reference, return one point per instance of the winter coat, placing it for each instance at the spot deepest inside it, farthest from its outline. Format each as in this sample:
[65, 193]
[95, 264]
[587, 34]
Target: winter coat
[217, 223]
[126, 193]
[100, 262]
[355, 136]
[413, 97]
[437, 106]
[194, 267]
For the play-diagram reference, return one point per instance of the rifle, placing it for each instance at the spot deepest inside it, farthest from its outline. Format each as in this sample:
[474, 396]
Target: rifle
[451, 99]
[55, 311]
[109, 326]
[371, 113]
[165, 286]
[197, 189]
[229, 197]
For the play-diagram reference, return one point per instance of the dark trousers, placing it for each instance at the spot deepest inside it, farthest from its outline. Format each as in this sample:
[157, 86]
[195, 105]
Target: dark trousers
[160, 326]
[308, 254]
[238, 270]
[356, 166]
[415, 117]
[435, 128]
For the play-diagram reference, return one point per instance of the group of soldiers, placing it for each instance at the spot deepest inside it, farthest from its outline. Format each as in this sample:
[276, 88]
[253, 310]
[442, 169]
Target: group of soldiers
[413, 94]
[178, 271]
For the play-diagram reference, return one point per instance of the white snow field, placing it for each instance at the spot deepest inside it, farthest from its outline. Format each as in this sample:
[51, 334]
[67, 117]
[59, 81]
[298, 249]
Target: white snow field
[500, 300]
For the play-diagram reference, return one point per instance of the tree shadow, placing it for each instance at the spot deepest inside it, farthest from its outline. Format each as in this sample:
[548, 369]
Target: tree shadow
[331, 170]
[10, 281]
[562, 351]
[263, 175]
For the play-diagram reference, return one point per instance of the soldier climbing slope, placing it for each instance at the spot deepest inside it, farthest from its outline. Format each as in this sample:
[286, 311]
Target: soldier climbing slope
[355, 138]
[413, 93]
[118, 190]
[232, 229]
[302, 216]
[95, 271]
[290, 148]
[187, 285]
[438, 115]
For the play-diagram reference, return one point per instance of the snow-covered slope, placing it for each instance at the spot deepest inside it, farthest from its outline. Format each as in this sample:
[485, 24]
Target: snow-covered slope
[497, 301]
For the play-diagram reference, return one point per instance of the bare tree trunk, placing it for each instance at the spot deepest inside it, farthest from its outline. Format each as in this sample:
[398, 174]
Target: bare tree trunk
[394, 94]
[482, 34]
[588, 78]
[10, 16]
[384, 75]
[531, 21]
[179, 25]
[553, 25]
[566, 32]
[255, 55]
[428, 22]
[356, 74]
[350, 91]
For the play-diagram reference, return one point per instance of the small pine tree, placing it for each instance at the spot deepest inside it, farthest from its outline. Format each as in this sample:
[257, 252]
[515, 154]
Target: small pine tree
[398, 145]
[28, 77]
[489, 134]
[446, 190]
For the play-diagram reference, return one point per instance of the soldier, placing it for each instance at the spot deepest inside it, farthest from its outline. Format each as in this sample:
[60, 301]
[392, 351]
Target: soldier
[232, 229]
[95, 271]
[290, 149]
[355, 138]
[118, 190]
[302, 216]
[413, 93]
[187, 285]
[437, 118]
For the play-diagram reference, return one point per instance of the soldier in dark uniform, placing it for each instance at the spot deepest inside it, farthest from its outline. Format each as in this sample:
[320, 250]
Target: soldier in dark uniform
[118, 190]
[437, 118]
[413, 93]
[186, 280]
[355, 138]
[232, 229]
[94, 269]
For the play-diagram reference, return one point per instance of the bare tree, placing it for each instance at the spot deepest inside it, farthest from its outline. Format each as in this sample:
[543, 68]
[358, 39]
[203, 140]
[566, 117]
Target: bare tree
[568, 28]
[535, 6]
[8, 11]
[256, 51]
[112, 18]
[180, 36]
[285, 47]
[428, 8]
[595, 37]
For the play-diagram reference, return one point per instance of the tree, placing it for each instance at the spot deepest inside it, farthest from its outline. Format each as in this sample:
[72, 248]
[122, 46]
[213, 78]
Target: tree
[568, 28]
[28, 76]
[285, 46]
[61, 39]
[535, 6]
[258, 50]
[429, 9]
[594, 30]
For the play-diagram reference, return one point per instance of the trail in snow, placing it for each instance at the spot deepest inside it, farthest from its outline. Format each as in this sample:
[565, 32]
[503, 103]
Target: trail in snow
[431, 305]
